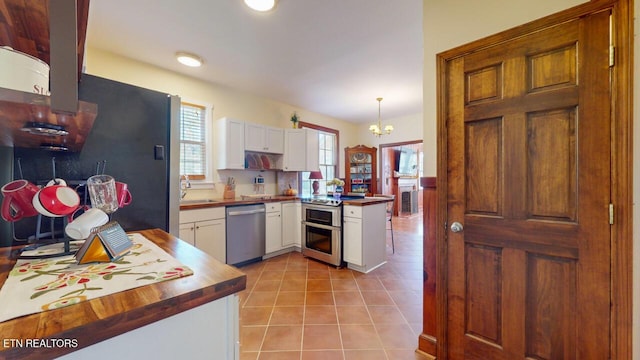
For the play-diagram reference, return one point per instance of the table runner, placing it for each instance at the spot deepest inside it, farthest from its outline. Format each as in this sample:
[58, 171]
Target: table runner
[36, 285]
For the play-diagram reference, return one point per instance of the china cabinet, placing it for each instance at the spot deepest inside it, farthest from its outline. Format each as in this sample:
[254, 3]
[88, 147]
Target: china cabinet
[360, 169]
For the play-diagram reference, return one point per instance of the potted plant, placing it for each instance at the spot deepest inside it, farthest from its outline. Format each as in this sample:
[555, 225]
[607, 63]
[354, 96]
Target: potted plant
[338, 186]
[294, 120]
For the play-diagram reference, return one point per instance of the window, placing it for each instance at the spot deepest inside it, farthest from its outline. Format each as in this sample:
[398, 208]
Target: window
[193, 147]
[328, 146]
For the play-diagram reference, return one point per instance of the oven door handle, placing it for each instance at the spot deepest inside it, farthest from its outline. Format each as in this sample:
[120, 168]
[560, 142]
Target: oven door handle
[320, 226]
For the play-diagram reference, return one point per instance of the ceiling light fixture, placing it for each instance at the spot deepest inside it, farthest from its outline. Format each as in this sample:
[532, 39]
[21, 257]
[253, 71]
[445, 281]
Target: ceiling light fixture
[261, 5]
[188, 59]
[376, 129]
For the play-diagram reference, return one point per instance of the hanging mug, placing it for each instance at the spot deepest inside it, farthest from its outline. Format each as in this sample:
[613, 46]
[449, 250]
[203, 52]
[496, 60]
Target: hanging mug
[102, 190]
[17, 200]
[123, 194]
[56, 201]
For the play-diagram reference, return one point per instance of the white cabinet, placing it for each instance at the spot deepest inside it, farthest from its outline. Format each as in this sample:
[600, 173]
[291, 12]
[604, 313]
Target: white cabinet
[187, 232]
[264, 139]
[291, 224]
[352, 247]
[301, 151]
[211, 238]
[273, 227]
[206, 230]
[364, 236]
[230, 143]
[209, 331]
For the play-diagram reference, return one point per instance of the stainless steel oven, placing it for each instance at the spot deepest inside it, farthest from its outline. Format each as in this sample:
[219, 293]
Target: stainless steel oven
[322, 231]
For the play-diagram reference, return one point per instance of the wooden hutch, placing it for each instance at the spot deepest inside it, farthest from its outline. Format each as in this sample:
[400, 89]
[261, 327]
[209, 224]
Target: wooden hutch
[361, 169]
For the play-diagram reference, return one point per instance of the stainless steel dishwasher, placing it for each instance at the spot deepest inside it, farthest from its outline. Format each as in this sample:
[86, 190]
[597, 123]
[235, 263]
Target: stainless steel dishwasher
[245, 233]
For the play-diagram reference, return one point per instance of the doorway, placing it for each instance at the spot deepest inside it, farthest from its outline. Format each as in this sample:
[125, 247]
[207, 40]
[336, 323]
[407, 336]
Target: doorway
[400, 172]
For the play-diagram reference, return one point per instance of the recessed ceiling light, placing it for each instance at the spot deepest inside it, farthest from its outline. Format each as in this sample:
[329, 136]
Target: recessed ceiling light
[189, 59]
[261, 5]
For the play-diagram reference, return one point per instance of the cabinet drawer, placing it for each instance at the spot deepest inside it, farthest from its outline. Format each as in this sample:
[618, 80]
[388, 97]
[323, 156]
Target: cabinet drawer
[187, 216]
[353, 211]
[273, 207]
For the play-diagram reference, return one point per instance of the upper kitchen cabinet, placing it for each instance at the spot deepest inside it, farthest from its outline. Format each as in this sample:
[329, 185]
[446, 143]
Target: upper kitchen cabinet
[266, 139]
[301, 151]
[59, 121]
[230, 143]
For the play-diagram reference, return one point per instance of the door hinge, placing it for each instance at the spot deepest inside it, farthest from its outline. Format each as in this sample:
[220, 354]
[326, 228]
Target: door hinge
[610, 214]
[612, 48]
[612, 55]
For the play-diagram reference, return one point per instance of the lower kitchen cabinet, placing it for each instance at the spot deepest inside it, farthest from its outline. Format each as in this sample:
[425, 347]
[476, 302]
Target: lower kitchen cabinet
[283, 227]
[273, 227]
[291, 224]
[364, 236]
[206, 230]
[187, 232]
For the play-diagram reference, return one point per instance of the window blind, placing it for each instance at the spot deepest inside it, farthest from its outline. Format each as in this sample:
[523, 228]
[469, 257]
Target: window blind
[192, 141]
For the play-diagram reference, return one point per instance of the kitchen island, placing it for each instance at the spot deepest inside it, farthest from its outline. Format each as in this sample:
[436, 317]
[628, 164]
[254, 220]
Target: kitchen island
[365, 234]
[193, 317]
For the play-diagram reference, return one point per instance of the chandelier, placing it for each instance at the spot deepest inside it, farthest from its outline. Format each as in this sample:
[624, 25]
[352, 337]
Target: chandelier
[377, 129]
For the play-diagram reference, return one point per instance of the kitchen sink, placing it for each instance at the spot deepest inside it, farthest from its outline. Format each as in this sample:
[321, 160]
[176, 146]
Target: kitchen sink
[198, 201]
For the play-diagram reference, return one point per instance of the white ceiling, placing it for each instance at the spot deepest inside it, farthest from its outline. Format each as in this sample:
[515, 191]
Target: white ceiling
[333, 57]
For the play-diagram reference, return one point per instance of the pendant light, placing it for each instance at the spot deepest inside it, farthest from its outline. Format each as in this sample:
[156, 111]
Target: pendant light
[377, 129]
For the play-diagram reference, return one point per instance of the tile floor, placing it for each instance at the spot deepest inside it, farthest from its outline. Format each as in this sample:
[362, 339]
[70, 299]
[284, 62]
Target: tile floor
[298, 308]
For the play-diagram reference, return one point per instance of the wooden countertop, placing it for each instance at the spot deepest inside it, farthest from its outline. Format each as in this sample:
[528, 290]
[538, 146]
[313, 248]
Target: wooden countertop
[276, 198]
[92, 321]
[366, 201]
[237, 201]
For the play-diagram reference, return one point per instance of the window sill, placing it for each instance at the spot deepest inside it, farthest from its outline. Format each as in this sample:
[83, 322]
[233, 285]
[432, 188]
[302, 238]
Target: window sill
[202, 184]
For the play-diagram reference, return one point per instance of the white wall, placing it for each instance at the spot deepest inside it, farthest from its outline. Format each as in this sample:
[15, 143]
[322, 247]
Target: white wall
[225, 102]
[466, 21]
[406, 128]
[451, 23]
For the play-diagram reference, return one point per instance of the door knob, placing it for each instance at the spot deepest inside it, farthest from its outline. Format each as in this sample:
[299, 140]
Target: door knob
[456, 227]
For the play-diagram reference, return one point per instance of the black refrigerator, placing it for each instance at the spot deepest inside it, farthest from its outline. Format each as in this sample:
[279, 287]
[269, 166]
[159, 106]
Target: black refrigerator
[134, 139]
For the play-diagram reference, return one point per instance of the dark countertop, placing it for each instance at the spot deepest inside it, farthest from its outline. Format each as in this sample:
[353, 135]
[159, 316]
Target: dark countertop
[236, 201]
[104, 317]
[275, 198]
[366, 201]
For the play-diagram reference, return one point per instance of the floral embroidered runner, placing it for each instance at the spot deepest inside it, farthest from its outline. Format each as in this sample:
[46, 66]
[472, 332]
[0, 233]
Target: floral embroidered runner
[36, 285]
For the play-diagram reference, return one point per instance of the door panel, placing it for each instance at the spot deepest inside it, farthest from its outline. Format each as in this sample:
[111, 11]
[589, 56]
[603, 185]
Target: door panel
[528, 174]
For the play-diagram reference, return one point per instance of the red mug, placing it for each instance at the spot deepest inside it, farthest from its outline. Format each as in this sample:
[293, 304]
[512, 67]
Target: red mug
[122, 194]
[56, 201]
[17, 200]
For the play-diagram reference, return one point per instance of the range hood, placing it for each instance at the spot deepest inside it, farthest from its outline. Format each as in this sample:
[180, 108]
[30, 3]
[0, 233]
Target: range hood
[55, 33]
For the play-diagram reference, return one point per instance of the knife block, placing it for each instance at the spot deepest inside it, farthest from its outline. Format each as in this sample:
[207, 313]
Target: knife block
[229, 193]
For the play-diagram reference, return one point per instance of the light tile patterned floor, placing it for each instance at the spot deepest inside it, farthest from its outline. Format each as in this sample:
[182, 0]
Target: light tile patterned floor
[298, 308]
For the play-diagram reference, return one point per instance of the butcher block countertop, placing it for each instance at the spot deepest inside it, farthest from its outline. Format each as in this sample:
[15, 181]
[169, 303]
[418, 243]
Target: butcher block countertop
[366, 201]
[92, 321]
[196, 204]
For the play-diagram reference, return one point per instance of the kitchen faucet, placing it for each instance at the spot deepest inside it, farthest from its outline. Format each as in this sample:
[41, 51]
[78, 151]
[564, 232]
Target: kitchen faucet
[184, 185]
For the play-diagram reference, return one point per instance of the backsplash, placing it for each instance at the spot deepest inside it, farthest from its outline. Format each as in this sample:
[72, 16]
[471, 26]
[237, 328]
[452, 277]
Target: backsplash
[275, 182]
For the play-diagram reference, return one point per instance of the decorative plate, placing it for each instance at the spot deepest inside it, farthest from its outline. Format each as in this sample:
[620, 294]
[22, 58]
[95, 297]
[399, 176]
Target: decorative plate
[358, 157]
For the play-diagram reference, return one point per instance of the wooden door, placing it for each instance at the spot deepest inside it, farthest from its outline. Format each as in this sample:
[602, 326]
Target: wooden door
[528, 177]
